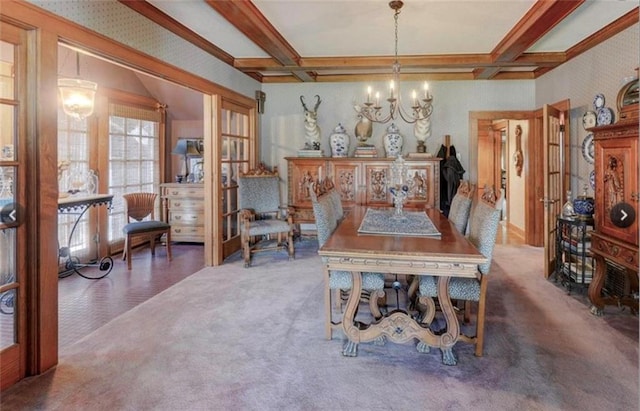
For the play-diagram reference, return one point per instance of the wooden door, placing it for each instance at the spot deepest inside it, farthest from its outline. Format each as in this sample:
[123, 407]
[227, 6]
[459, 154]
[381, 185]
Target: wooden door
[553, 180]
[13, 204]
[489, 151]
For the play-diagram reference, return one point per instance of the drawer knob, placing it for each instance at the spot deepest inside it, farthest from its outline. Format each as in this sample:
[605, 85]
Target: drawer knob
[178, 217]
[175, 193]
[178, 204]
[177, 230]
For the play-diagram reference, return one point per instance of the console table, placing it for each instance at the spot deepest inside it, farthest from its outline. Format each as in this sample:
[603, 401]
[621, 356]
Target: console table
[78, 205]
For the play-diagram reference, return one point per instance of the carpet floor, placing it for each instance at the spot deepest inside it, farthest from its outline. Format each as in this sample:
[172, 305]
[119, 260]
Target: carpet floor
[229, 338]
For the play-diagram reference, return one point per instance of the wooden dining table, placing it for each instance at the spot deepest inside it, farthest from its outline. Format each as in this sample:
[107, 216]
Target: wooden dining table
[448, 255]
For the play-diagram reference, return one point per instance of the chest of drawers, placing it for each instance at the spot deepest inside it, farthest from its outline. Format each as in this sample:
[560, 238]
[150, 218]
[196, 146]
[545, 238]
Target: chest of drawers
[183, 208]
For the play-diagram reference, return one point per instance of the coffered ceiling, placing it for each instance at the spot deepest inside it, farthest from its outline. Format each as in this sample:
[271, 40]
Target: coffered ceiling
[353, 40]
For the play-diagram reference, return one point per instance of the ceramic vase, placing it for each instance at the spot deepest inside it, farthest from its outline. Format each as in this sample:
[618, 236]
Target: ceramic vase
[339, 142]
[393, 141]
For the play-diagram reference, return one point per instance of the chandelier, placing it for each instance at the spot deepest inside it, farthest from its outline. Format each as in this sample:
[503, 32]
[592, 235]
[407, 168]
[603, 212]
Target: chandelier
[77, 95]
[421, 107]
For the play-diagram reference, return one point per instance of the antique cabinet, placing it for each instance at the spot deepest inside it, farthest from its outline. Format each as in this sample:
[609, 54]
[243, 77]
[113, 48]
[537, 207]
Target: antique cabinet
[614, 242]
[183, 208]
[362, 181]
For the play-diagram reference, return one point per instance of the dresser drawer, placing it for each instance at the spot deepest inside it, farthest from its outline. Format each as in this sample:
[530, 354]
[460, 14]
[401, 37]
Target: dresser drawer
[183, 191]
[181, 203]
[187, 233]
[185, 218]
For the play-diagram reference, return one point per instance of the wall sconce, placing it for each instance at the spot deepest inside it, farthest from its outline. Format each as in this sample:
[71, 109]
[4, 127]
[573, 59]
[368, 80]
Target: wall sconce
[261, 97]
[78, 96]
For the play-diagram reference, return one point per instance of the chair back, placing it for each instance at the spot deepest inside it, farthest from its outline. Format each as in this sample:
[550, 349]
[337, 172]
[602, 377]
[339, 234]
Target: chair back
[461, 206]
[259, 190]
[138, 206]
[483, 228]
[326, 222]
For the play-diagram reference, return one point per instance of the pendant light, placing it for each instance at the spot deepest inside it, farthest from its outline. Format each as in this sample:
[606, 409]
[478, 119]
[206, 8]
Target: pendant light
[77, 95]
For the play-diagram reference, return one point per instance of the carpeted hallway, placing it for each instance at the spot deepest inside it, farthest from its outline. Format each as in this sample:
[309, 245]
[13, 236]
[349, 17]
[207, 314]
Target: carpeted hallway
[230, 338]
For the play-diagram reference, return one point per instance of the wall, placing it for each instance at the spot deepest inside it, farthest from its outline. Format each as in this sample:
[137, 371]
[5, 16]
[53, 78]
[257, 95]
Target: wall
[515, 188]
[282, 123]
[603, 69]
[122, 24]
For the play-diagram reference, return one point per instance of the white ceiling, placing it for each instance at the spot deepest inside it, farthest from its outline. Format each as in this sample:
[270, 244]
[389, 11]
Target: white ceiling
[358, 28]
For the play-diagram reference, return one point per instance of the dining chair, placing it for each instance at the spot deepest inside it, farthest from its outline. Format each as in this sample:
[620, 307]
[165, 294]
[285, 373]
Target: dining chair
[140, 207]
[460, 208]
[264, 224]
[336, 281]
[483, 228]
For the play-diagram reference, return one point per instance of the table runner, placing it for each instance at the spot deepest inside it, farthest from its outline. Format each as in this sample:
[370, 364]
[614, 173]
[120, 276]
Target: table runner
[381, 221]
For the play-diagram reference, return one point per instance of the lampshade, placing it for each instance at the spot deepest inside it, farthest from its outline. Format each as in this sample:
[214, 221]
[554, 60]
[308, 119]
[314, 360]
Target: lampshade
[181, 147]
[77, 96]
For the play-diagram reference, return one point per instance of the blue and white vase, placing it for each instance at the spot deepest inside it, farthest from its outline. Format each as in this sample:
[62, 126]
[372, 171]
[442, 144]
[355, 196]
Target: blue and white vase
[339, 142]
[393, 141]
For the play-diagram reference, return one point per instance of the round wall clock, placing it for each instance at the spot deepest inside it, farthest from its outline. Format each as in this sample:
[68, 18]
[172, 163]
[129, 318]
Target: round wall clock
[605, 116]
[589, 119]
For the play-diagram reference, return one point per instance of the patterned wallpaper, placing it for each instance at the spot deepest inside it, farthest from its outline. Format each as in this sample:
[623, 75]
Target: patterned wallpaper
[603, 69]
[120, 23]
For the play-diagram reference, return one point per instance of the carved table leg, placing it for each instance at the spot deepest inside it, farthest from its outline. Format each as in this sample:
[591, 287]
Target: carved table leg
[350, 329]
[449, 338]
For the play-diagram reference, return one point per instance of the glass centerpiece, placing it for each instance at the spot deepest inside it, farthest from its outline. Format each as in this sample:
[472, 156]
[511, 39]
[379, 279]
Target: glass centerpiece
[398, 186]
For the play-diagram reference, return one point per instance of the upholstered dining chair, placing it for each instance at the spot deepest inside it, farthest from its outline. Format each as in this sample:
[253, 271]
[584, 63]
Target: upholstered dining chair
[483, 228]
[264, 224]
[140, 207]
[460, 208]
[336, 281]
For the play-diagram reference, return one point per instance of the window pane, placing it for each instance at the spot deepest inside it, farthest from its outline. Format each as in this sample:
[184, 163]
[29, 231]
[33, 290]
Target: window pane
[7, 318]
[134, 158]
[8, 249]
[7, 147]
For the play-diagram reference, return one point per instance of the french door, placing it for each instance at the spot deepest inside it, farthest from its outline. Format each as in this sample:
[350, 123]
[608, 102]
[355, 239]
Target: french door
[13, 201]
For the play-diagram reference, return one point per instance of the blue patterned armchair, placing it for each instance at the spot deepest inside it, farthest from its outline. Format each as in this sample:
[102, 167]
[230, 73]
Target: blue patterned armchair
[264, 225]
[483, 228]
[324, 210]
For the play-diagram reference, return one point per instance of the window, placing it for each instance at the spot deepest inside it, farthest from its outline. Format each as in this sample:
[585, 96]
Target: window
[134, 153]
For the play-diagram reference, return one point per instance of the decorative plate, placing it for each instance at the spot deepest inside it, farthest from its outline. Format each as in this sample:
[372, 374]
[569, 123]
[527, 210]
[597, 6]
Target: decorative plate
[605, 116]
[592, 179]
[588, 149]
[589, 119]
[598, 101]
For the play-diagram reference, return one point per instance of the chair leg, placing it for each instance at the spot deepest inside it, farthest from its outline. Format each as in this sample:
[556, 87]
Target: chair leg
[152, 244]
[480, 319]
[246, 250]
[168, 245]
[374, 297]
[290, 243]
[128, 248]
[328, 328]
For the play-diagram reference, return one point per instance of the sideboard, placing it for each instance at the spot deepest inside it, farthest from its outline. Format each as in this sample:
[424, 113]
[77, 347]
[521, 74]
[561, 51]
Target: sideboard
[360, 181]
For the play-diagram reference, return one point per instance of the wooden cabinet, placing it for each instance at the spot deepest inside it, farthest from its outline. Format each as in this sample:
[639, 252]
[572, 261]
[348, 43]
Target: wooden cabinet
[361, 181]
[183, 208]
[615, 240]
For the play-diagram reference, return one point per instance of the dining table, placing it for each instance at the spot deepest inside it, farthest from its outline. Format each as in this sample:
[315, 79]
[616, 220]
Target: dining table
[396, 247]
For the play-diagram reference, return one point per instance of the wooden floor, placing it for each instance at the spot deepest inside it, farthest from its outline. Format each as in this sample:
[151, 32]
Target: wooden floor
[85, 305]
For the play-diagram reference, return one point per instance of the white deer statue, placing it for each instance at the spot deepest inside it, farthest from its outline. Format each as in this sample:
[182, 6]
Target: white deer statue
[311, 128]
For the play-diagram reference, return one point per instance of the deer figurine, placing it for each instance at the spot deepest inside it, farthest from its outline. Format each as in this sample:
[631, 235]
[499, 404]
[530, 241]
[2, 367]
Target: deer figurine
[311, 128]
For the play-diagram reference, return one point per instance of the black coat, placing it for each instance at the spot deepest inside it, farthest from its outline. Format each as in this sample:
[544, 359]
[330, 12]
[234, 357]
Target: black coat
[451, 172]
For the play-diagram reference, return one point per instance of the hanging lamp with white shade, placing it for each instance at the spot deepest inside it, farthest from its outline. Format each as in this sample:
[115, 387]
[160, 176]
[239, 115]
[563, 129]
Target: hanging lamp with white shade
[77, 95]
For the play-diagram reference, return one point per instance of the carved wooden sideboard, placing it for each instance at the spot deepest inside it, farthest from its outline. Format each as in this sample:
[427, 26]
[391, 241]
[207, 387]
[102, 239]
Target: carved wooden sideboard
[614, 243]
[361, 181]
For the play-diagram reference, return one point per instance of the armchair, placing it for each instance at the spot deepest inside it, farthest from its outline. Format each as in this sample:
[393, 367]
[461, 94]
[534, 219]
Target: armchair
[264, 225]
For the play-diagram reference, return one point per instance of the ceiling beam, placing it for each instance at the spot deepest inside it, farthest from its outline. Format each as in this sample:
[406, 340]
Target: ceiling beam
[541, 17]
[159, 17]
[246, 17]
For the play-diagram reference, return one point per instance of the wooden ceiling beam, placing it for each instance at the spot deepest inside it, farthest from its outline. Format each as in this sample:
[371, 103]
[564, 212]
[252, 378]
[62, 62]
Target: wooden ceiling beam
[541, 17]
[159, 17]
